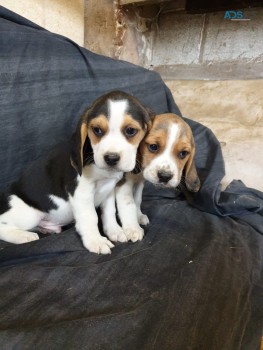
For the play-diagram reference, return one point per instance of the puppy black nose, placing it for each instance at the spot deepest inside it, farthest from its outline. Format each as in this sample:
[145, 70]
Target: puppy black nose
[111, 158]
[164, 176]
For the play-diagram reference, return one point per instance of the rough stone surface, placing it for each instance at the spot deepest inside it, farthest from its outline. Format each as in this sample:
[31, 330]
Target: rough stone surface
[177, 39]
[234, 40]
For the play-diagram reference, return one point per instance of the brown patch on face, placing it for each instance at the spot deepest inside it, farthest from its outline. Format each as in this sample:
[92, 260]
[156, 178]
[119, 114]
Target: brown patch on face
[156, 136]
[100, 122]
[129, 124]
[183, 145]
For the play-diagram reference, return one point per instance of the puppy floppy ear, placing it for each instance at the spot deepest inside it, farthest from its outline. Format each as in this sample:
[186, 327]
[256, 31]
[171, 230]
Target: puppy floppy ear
[139, 157]
[190, 174]
[78, 141]
[138, 164]
[151, 116]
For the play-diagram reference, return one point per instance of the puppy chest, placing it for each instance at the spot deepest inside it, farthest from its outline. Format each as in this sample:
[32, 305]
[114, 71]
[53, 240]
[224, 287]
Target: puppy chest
[103, 189]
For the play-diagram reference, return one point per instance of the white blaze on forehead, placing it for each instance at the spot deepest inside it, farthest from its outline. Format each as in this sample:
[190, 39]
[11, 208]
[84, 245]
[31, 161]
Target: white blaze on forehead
[117, 111]
[172, 137]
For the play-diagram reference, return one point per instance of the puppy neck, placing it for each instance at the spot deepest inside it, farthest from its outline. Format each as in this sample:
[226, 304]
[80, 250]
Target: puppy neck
[93, 173]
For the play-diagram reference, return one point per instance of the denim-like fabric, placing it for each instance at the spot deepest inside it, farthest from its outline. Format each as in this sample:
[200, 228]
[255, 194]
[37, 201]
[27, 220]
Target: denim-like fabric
[194, 282]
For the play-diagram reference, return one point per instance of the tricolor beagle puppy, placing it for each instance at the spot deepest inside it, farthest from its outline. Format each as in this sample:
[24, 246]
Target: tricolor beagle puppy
[78, 176]
[167, 159]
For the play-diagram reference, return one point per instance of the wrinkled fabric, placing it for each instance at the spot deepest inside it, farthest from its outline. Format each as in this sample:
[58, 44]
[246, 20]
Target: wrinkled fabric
[194, 282]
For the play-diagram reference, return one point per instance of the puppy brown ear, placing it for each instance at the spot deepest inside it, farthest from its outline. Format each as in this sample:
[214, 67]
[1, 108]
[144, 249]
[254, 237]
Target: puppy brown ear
[77, 145]
[191, 178]
[139, 157]
[151, 115]
[138, 164]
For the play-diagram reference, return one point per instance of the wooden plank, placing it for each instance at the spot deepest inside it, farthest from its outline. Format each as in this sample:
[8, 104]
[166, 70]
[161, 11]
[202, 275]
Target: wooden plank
[141, 2]
[128, 2]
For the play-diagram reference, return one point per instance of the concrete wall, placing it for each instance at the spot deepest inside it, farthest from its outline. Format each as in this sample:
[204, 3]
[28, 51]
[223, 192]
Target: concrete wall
[208, 46]
[65, 17]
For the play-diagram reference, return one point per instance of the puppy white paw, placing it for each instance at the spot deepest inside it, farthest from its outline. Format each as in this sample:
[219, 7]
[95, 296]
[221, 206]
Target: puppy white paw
[116, 234]
[143, 219]
[134, 234]
[98, 244]
[20, 237]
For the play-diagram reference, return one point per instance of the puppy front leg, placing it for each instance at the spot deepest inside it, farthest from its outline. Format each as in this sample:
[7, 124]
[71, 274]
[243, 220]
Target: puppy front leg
[87, 221]
[127, 211]
[110, 225]
[142, 218]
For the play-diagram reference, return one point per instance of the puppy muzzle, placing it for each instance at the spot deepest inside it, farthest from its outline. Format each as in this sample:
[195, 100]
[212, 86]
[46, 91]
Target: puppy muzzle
[164, 176]
[112, 159]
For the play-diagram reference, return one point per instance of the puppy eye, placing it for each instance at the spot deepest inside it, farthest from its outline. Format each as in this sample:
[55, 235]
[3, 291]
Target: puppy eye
[130, 132]
[97, 131]
[153, 147]
[183, 154]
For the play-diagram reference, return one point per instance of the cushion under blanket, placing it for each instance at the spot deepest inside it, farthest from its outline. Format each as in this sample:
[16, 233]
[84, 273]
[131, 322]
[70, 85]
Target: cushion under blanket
[194, 282]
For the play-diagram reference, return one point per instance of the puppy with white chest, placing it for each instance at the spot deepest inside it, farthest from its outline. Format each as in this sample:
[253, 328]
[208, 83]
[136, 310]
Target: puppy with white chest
[78, 176]
[167, 159]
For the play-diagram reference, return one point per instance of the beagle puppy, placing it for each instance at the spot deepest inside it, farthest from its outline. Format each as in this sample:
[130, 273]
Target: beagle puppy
[167, 160]
[78, 176]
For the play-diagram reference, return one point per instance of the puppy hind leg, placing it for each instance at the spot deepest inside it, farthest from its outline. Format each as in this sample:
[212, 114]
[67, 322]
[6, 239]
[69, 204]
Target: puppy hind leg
[15, 222]
[142, 218]
[15, 235]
